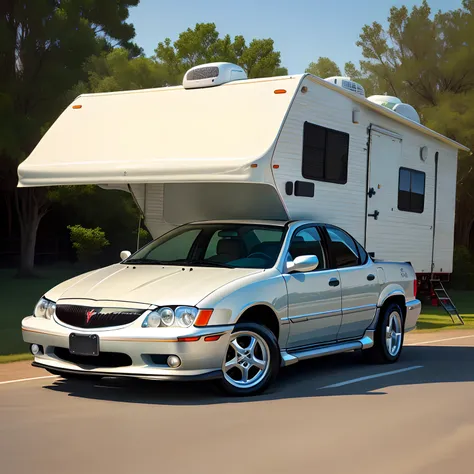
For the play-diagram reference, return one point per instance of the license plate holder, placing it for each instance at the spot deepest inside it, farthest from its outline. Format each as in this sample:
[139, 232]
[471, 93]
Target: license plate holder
[84, 344]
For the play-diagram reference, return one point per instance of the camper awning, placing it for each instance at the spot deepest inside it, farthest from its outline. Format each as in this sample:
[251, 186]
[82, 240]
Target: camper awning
[161, 135]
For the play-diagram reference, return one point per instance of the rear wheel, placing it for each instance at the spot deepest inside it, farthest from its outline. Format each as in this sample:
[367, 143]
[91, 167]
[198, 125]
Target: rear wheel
[389, 337]
[252, 360]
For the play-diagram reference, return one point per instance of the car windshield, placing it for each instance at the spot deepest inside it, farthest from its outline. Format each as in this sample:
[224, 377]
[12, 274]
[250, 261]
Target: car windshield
[214, 245]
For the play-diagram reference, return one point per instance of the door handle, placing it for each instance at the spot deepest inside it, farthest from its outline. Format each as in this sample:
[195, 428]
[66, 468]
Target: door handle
[370, 277]
[375, 215]
[333, 282]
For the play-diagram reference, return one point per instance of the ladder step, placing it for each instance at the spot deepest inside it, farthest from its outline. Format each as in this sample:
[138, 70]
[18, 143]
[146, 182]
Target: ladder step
[442, 296]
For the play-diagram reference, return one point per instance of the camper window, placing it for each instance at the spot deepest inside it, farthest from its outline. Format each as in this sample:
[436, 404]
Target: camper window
[411, 190]
[325, 154]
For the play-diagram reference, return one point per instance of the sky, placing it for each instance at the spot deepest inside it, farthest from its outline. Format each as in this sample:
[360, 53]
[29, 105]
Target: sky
[303, 30]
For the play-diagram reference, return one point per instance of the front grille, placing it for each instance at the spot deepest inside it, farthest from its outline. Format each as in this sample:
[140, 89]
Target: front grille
[202, 73]
[104, 359]
[95, 317]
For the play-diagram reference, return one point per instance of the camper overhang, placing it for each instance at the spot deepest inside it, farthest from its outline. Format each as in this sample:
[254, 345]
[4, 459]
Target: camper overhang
[221, 134]
[166, 135]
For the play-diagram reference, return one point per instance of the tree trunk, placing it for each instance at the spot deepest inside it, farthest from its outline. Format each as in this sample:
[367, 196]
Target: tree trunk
[31, 205]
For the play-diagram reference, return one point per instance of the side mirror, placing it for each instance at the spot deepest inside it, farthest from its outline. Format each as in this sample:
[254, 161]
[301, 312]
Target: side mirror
[124, 254]
[304, 263]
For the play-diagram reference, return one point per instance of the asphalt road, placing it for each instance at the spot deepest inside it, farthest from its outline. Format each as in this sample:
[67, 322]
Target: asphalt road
[322, 416]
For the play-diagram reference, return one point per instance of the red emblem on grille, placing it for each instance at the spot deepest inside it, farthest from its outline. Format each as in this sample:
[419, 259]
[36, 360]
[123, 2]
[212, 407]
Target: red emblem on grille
[89, 315]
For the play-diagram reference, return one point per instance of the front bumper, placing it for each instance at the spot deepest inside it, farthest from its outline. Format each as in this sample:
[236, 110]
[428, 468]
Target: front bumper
[199, 359]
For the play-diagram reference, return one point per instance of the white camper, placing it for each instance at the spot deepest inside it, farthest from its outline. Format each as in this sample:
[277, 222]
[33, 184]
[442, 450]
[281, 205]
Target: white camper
[295, 147]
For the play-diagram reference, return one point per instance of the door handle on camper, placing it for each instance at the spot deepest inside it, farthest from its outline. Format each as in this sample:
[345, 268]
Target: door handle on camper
[371, 192]
[333, 282]
[370, 277]
[375, 215]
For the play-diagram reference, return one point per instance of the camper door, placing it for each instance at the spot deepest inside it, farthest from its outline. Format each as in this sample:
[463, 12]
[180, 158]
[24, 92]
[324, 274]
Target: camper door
[395, 231]
[384, 158]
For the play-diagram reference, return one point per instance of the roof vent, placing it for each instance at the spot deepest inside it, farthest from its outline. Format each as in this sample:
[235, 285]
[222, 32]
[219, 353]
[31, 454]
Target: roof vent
[407, 111]
[395, 104]
[346, 83]
[386, 100]
[212, 74]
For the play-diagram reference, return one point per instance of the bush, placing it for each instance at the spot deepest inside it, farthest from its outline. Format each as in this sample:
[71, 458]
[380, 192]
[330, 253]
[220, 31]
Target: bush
[463, 269]
[88, 243]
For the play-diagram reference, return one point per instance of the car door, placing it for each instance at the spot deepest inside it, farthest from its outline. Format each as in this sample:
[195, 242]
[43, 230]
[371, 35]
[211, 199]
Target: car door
[359, 283]
[314, 298]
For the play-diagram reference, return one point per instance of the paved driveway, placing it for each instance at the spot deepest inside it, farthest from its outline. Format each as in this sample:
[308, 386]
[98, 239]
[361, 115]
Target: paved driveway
[328, 415]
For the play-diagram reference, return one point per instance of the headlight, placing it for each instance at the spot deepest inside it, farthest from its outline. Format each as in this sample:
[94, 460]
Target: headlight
[44, 309]
[167, 316]
[183, 316]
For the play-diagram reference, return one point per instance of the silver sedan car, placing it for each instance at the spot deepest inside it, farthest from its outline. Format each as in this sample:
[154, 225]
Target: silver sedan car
[227, 300]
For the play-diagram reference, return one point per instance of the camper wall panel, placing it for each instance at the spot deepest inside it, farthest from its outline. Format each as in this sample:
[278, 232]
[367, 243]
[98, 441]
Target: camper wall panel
[445, 210]
[395, 234]
[341, 204]
[405, 236]
[408, 236]
[149, 198]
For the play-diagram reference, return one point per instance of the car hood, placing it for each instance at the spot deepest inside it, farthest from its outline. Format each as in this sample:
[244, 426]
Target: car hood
[149, 284]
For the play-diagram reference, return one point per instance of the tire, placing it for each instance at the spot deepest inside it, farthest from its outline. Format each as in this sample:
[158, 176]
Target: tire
[240, 355]
[381, 353]
[71, 376]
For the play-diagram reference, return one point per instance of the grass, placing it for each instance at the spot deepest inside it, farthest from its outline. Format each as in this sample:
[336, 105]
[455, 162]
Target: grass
[19, 297]
[15, 358]
[435, 318]
[18, 300]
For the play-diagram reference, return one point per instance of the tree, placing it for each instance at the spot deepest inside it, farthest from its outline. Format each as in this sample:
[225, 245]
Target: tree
[43, 47]
[203, 45]
[427, 61]
[324, 67]
[116, 71]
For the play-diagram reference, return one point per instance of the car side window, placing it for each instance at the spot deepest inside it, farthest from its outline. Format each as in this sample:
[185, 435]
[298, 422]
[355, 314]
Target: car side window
[343, 247]
[307, 241]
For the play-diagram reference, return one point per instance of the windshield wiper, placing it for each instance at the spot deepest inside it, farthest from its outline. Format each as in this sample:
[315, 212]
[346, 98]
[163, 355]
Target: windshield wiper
[146, 261]
[207, 263]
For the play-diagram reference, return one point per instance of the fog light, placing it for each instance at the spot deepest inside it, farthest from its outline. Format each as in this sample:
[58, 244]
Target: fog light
[35, 349]
[174, 362]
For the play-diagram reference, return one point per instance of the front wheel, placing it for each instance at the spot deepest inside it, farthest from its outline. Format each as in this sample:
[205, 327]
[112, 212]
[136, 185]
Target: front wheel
[252, 360]
[389, 337]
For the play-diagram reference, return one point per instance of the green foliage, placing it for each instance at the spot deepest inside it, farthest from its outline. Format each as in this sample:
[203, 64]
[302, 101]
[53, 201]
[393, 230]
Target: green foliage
[116, 71]
[87, 242]
[203, 45]
[43, 48]
[324, 67]
[426, 60]
[463, 269]
[144, 236]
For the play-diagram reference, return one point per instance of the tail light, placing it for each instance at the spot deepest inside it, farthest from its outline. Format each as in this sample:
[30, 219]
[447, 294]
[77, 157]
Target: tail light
[415, 287]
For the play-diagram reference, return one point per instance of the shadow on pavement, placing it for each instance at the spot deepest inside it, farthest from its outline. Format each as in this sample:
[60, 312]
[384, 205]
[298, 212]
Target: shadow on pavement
[441, 364]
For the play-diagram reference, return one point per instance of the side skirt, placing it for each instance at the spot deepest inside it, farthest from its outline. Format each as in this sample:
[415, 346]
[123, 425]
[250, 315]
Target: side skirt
[290, 357]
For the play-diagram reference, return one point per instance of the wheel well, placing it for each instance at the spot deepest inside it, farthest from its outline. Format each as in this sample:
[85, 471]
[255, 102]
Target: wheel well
[263, 315]
[398, 299]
